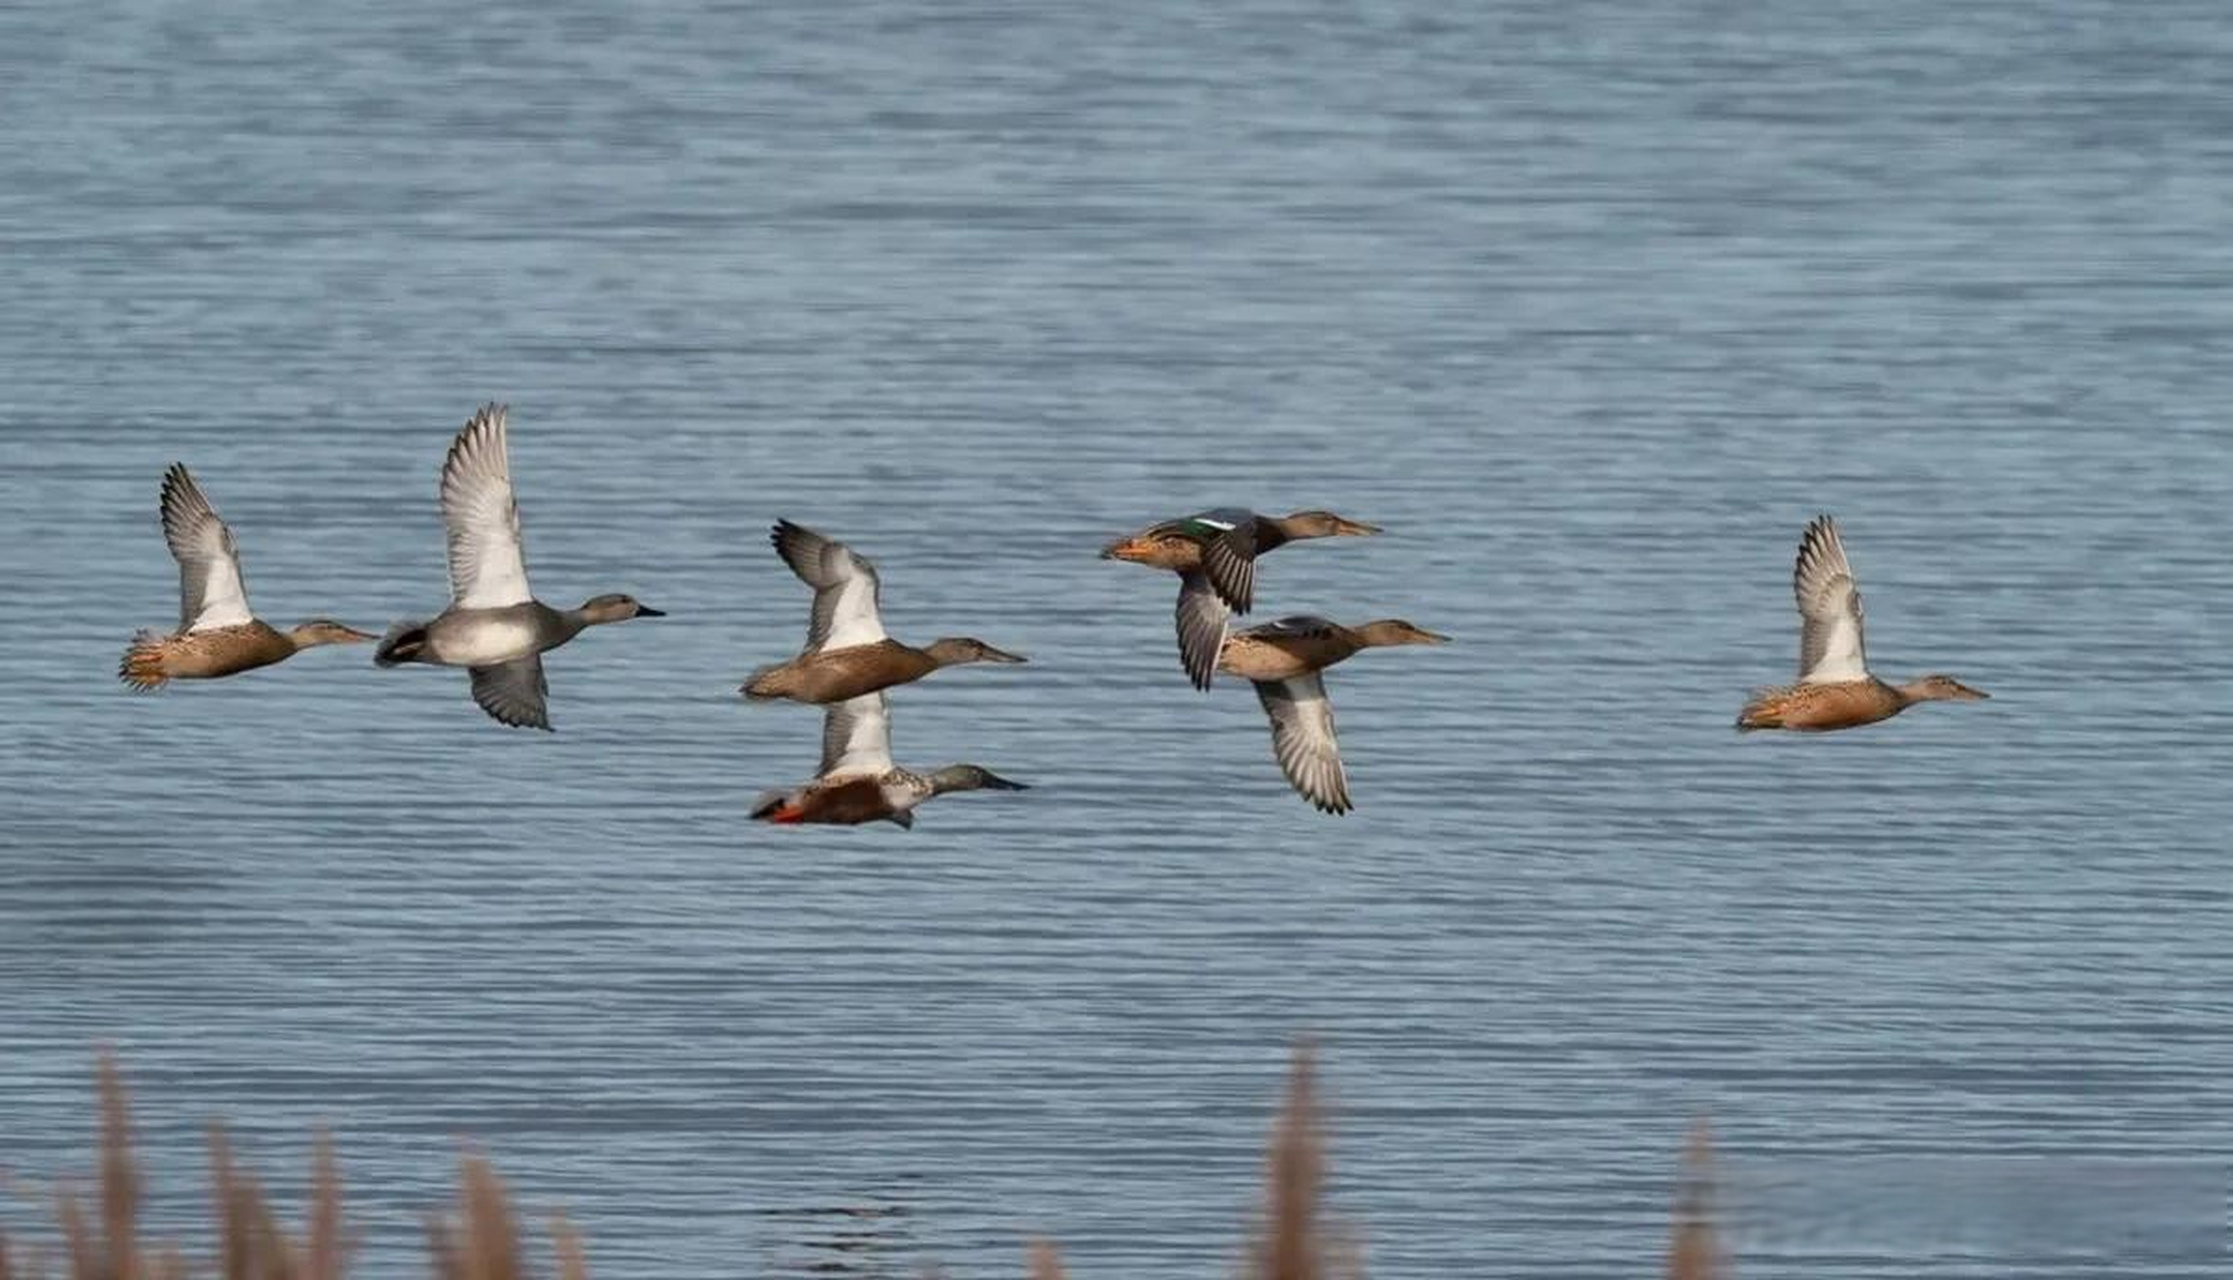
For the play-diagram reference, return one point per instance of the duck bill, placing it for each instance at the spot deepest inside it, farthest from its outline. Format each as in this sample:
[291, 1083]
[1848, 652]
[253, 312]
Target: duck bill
[1002, 655]
[994, 782]
[1972, 695]
[646, 611]
[350, 635]
[1354, 528]
[1434, 637]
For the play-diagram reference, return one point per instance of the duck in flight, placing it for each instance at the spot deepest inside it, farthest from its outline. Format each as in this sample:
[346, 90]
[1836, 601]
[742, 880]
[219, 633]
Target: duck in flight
[494, 626]
[1284, 660]
[1835, 689]
[217, 634]
[858, 782]
[847, 652]
[1214, 553]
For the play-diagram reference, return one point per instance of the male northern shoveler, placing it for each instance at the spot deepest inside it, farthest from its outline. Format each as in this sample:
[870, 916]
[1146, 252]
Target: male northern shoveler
[1835, 689]
[494, 627]
[217, 635]
[1214, 553]
[847, 652]
[858, 782]
[1284, 659]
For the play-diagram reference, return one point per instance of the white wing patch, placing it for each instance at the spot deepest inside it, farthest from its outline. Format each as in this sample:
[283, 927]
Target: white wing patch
[211, 593]
[847, 594]
[857, 737]
[1832, 649]
[488, 570]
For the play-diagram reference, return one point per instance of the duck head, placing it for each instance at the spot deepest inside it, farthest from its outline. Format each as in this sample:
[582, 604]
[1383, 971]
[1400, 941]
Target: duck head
[319, 631]
[951, 651]
[616, 607]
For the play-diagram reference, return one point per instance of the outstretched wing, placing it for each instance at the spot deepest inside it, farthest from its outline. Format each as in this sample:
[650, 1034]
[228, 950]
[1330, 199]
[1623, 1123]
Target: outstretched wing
[847, 594]
[857, 736]
[1303, 739]
[210, 591]
[487, 568]
[1229, 555]
[1201, 624]
[513, 692]
[1831, 649]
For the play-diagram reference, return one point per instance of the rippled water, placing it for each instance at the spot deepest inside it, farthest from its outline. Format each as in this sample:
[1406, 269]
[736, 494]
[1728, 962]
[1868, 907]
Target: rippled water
[1591, 305]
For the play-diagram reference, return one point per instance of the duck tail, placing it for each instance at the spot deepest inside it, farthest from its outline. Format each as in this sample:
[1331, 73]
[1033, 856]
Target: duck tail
[1760, 712]
[765, 684]
[404, 642]
[142, 667]
[777, 806]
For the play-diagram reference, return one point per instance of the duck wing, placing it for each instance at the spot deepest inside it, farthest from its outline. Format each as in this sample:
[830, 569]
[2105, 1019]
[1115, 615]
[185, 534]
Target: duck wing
[513, 692]
[488, 570]
[1228, 537]
[210, 591]
[857, 736]
[1303, 739]
[1201, 626]
[848, 597]
[1831, 647]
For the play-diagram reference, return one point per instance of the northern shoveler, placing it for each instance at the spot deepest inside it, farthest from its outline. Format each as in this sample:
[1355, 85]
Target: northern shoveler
[857, 781]
[1835, 689]
[217, 634]
[847, 652]
[1284, 659]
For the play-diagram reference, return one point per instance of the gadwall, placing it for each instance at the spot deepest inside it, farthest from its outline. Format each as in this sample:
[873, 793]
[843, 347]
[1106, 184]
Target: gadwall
[1835, 689]
[494, 627]
[847, 653]
[858, 782]
[217, 635]
[1214, 553]
[1283, 659]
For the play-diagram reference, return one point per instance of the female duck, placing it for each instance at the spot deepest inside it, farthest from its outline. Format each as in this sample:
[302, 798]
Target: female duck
[217, 635]
[1284, 659]
[858, 782]
[1214, 553]
[1835, 689]
[494, 627]
[847, 652]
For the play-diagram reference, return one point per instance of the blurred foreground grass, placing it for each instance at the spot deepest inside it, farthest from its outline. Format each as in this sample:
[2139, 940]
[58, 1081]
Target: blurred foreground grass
[479, 1237]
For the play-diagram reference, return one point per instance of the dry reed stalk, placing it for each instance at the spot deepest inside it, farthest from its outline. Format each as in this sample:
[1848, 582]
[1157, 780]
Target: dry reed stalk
[483, 1244]
[1293, 1244]
[566, 1244]
[120, 1176]
[328, 1255]
[1694, 1252]
[76, 1241]
[1046, 1261]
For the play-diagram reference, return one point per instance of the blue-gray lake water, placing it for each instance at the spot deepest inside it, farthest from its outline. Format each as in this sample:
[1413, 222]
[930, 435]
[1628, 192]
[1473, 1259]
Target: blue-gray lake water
[1591, 305]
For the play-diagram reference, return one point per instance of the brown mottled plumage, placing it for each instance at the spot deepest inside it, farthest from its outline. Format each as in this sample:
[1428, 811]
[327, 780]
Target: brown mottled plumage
[1283, 660]
[847, 652]
[154, 658]
[1835, 689]
[1848, 704]
[836, 675]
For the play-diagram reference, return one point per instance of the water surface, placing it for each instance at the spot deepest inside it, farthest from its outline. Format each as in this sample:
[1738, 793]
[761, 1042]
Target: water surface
[1592, 306]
